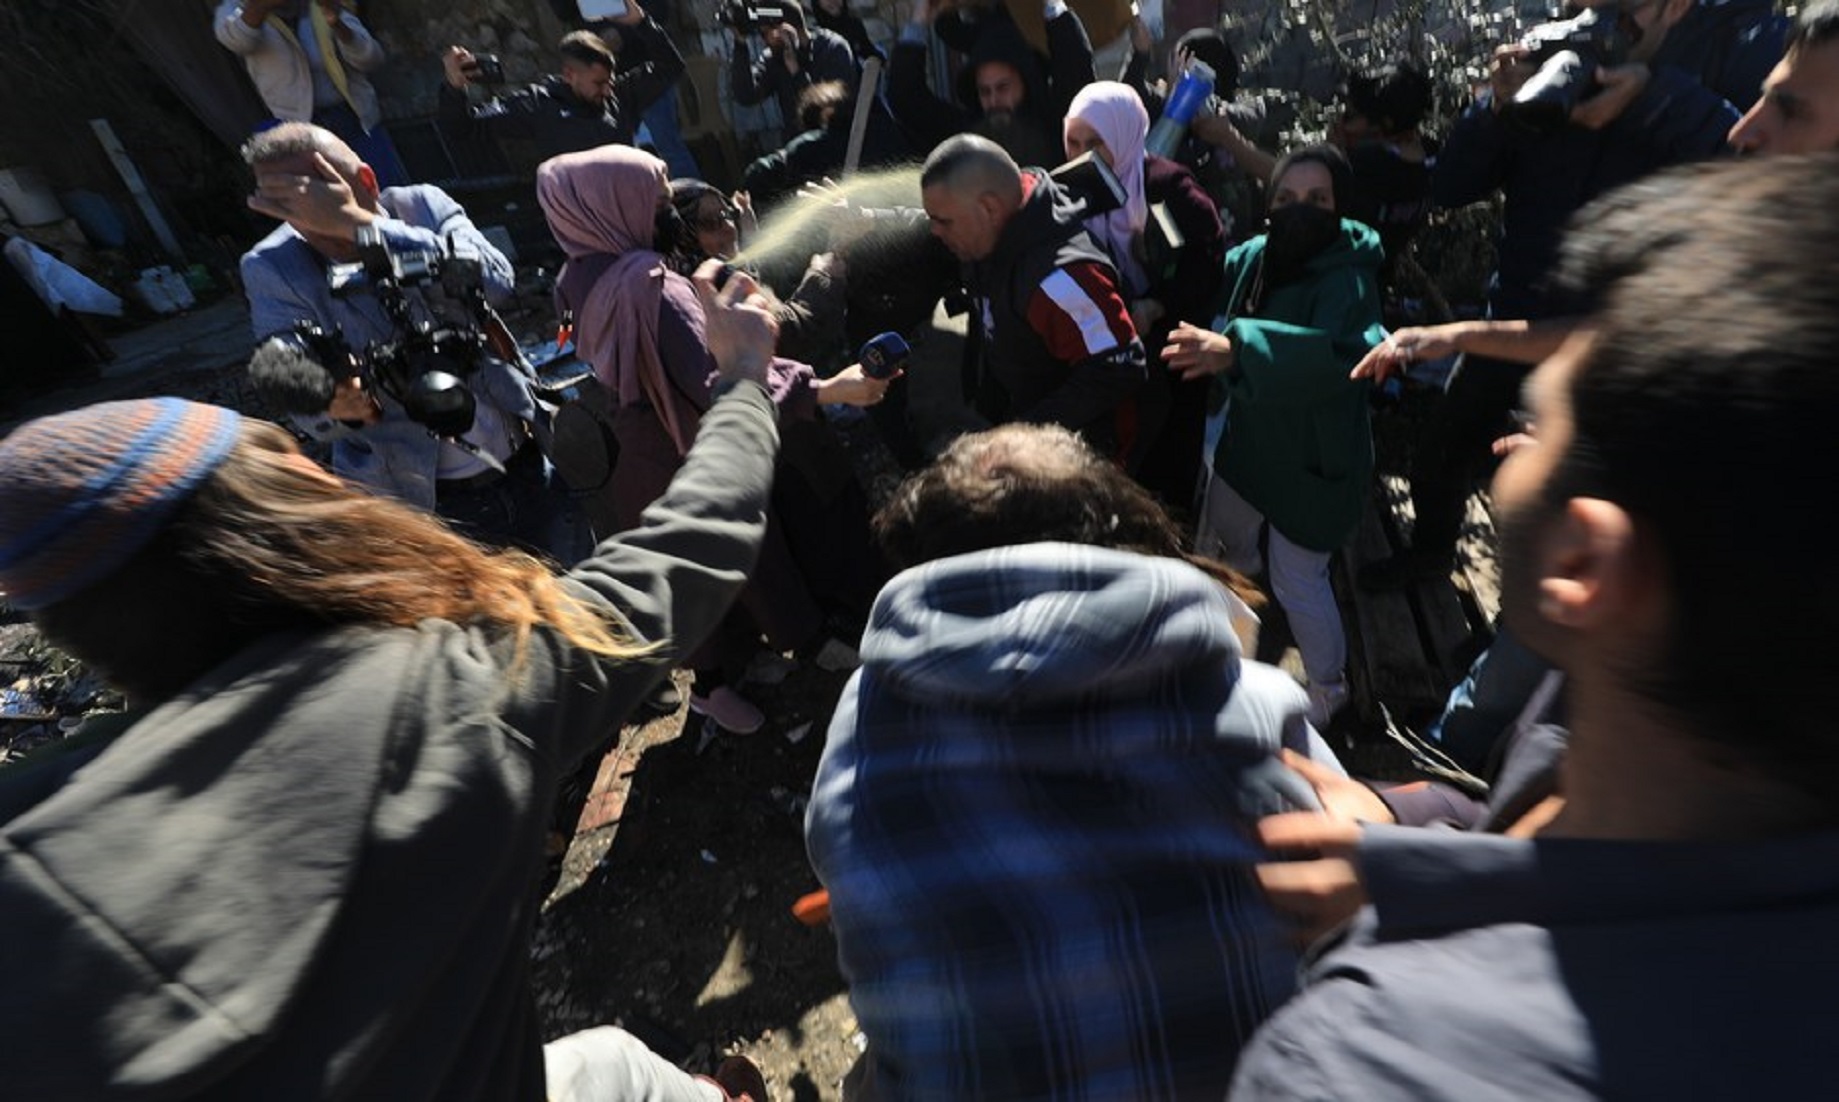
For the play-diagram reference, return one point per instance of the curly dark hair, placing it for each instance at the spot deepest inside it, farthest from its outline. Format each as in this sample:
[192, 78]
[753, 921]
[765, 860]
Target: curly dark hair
[1029, 484]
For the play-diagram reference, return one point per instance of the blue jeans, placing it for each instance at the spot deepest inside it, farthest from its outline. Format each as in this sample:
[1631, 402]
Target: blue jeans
[374, 149]
[527, 507]
[667, 137]
[1484, 706]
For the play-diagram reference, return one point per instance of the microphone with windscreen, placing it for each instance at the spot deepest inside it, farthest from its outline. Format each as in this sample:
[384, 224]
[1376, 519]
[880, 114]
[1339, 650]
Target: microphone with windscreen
[290, 375]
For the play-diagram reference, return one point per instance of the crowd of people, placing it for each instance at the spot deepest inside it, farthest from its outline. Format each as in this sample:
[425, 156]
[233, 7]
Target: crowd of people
[1077, 841]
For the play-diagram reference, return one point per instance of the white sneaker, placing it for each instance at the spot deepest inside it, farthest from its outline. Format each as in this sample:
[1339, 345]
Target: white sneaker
[1324, 701]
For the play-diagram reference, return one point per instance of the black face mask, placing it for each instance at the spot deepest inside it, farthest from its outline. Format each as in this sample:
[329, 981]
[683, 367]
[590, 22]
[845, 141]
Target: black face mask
[668, 230]
[1296, 235]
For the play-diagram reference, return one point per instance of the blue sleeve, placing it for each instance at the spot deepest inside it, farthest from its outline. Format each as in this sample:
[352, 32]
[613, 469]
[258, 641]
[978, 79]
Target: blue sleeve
[276, 302]
[428, 218]
[1680, 119]
[1473, 162]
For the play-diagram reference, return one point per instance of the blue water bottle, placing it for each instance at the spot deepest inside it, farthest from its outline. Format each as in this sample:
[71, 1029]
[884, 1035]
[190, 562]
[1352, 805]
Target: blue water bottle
[1190, 95]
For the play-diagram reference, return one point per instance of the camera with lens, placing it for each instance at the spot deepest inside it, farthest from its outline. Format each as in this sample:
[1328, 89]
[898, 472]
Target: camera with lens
[746, 17]
[425, 367]
[486, 69]
[1568, 54]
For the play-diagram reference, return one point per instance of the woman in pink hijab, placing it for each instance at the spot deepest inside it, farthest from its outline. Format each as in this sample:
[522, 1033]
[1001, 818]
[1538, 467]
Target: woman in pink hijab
[639, 325]
[1165, 285]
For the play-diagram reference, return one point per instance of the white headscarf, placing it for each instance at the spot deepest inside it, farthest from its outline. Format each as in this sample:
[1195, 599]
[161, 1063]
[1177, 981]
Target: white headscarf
[1115, 112]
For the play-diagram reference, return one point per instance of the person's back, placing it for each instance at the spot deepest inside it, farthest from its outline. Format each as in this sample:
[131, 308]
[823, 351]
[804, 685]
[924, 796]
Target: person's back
[1029, 813]
[304, 865]
[1568, 970]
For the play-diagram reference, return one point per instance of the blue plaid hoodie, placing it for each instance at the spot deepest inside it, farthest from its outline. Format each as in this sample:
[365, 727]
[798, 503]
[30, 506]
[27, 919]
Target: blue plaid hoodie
[1032, 816]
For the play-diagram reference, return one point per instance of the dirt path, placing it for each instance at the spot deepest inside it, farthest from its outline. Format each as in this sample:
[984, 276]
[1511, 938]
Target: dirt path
[674, 919]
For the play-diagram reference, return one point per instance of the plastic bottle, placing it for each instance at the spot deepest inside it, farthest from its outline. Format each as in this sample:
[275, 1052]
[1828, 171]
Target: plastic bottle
[1190, 95]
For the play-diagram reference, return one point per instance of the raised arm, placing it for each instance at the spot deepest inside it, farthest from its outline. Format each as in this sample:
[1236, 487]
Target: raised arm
[643, 85]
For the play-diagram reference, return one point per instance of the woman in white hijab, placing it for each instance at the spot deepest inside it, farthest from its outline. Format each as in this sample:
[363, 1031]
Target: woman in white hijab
[1166, 282]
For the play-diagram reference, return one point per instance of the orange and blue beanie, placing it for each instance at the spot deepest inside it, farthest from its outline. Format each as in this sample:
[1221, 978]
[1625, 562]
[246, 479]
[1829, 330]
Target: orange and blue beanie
[82, 492]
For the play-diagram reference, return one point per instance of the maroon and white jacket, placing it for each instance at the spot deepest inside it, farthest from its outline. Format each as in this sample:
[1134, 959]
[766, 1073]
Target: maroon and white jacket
[1057, 344]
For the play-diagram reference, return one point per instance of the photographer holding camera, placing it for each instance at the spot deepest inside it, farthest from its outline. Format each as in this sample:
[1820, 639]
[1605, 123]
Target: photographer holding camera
[797, 55]
[592, 101]
[1574, 110]
[490, 477]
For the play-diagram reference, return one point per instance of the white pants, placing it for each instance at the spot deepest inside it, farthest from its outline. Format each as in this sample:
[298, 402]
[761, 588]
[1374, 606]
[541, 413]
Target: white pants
[1229, 529]
[607, 1064]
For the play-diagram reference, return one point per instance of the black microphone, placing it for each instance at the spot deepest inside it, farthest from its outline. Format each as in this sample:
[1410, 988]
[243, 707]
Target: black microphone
[289, 378]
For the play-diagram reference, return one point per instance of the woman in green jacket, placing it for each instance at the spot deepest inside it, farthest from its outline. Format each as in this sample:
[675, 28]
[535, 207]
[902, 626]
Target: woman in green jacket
[1291, 446]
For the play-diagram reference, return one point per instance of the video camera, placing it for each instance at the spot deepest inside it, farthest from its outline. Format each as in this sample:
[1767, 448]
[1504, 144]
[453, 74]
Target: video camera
[1568, 53]
[427, 366]
[746, 17]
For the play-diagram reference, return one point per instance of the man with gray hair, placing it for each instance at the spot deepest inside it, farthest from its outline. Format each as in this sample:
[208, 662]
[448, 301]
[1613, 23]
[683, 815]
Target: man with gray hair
[1053, 339]
[490, 478]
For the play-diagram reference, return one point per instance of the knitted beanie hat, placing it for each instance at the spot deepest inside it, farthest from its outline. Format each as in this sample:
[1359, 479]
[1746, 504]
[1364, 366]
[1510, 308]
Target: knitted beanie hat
[82, 492]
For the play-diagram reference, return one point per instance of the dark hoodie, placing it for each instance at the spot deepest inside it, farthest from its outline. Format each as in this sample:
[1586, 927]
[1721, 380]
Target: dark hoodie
[551, 119]
[1032, 136]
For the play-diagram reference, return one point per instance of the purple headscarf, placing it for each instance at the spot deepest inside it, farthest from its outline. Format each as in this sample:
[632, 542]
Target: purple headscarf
[1117, 114]
[601, 205]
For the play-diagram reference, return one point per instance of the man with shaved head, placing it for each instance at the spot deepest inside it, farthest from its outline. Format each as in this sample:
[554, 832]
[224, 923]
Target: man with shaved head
[1054, 341]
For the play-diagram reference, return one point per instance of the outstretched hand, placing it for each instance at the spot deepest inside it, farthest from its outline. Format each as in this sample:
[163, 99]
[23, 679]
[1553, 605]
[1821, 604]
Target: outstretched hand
[737, 322]
[1340, 795]
[853, 387]
[1405, 347]
[1618, 86]
[1197, 353]
[847, 220]
[1319, 887]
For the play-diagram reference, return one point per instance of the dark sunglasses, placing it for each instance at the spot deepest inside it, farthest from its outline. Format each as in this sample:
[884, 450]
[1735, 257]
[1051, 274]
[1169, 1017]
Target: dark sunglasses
[728, 217]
